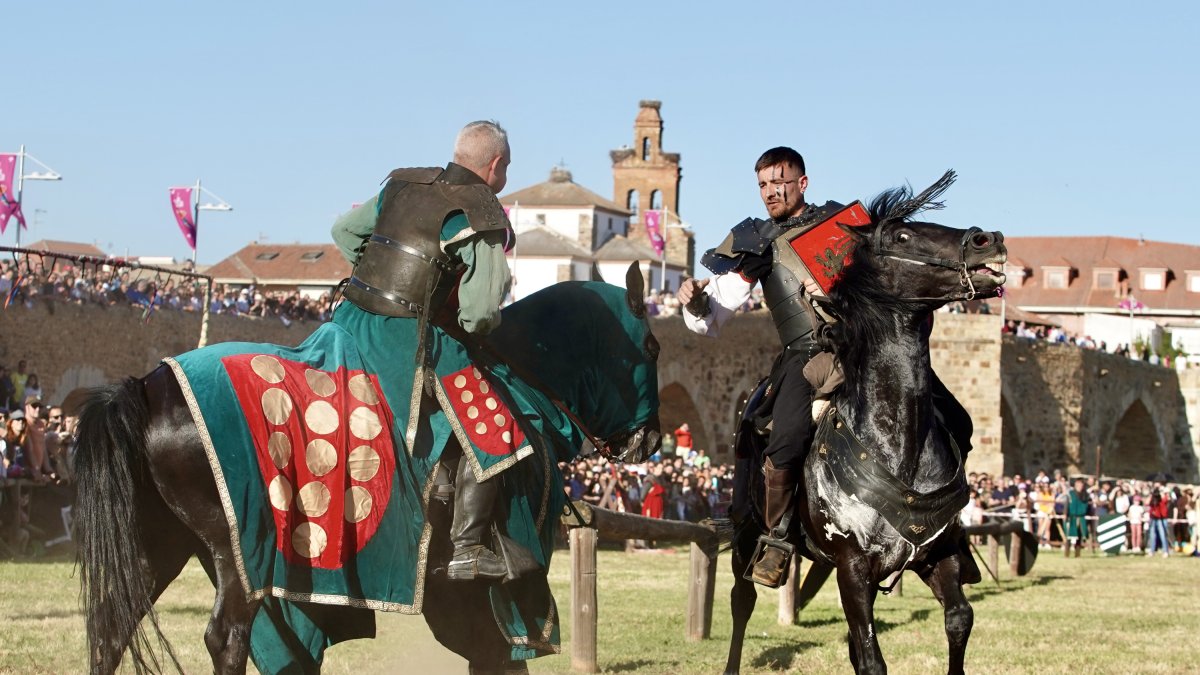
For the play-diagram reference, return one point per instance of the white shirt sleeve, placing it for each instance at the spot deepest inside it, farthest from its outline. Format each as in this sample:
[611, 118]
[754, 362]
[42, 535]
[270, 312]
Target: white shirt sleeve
[726, 294]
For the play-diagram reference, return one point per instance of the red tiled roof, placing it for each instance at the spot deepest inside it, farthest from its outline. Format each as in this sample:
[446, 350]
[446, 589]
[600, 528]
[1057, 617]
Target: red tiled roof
[1088, 253]
[268, 264]
[560, 190]
[71, 247]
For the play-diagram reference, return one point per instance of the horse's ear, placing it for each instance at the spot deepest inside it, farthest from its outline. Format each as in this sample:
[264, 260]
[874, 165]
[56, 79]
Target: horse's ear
[856, 233]
[635, 290]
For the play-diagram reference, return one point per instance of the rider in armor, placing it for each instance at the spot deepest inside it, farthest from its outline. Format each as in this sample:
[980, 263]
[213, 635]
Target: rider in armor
[429, 263]
[750, 255]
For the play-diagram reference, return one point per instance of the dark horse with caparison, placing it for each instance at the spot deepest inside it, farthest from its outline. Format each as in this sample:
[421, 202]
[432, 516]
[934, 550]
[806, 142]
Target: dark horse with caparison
[148, 501]
[884, 480]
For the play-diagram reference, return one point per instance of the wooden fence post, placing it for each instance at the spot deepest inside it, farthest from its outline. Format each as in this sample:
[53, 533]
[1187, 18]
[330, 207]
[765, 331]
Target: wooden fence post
[787, 593]
[994, 554]
[702, 582]
[583, 600]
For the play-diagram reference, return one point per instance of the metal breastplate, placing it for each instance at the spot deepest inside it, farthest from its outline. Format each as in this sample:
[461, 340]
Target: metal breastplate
[402, 270]
[782, 293]
[782, 288]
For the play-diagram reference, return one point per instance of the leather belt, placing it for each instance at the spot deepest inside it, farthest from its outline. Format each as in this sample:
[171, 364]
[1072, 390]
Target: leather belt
[386, 295]
[405, 248]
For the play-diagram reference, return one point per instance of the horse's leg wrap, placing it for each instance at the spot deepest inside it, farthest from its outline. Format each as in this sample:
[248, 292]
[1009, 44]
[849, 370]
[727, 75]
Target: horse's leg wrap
[474, 503]
[774, 553]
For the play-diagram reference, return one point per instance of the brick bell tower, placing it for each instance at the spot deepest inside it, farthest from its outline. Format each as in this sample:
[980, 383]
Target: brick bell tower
[645, 177]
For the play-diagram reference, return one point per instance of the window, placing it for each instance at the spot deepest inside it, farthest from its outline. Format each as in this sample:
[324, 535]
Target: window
[656, 200]
[610, 224]
[1154, 281]
[540, 219]
[1056, 278]
[312, 256]
[1106, 280]
[1193, 283]
[646, 149]
[631, 203]
[267, 256]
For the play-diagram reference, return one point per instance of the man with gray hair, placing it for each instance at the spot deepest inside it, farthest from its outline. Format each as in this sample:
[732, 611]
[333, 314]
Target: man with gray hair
[429, 265]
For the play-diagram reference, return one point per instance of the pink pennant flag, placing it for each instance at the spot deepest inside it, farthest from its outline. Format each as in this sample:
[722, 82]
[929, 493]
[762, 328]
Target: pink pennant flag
[654, 230]
[9, 206]
[181, 204]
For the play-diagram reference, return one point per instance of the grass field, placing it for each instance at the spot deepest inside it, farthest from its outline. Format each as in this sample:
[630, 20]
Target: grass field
[1087, 615]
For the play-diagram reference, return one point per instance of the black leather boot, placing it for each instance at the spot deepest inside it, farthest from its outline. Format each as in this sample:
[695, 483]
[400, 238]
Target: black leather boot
[474, 503]
[770, 566]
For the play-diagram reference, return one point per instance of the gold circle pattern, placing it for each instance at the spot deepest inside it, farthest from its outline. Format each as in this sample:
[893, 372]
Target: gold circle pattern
[268, 368]
[277, 406]
[320, 456]
[320, 382]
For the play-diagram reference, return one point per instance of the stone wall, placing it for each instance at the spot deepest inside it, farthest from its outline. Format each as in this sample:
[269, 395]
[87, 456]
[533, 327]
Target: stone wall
[1086, 411]
[1035, 405]
[71, 346]
[965, 352]
[704, 379]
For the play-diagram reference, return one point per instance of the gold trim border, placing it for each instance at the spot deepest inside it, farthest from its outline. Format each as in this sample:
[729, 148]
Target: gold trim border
[218, 475]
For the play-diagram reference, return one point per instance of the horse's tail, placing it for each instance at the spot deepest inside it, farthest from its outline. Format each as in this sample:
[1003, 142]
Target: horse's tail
[110, 468]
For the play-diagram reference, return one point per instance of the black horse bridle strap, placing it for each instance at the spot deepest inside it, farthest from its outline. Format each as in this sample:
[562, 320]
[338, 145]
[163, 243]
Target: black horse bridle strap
[960, 265]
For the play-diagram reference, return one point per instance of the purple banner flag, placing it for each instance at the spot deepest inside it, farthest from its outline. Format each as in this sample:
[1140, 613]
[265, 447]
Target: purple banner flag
[9, 206]
[654, 230]
[181, 204]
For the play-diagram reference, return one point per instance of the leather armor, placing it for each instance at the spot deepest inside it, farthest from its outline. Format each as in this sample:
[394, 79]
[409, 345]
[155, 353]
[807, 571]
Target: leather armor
[783, 285]
[402, 270]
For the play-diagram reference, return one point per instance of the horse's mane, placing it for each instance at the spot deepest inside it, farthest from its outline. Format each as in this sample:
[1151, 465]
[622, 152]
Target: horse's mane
[863, 306]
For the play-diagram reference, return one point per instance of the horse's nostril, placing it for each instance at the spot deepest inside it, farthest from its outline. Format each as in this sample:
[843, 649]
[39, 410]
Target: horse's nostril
[982, 240]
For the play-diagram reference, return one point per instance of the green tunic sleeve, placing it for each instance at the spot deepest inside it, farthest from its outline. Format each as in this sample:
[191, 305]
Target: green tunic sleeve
[486, 282]
[352, 229]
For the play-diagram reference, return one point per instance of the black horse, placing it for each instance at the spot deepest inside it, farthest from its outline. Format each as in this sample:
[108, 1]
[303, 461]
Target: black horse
[884, 480]
[148, 501]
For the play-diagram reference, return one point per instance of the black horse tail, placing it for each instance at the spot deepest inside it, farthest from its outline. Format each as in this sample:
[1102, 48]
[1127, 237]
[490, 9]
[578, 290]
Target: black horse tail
[110, 467]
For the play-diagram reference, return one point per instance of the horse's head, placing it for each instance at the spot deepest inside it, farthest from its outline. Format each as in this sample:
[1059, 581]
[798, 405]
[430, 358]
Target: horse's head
[636, 442]
[920, 264]
[589, 344]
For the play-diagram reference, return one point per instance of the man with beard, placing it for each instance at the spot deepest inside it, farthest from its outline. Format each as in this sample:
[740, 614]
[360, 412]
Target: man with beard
[749, 256]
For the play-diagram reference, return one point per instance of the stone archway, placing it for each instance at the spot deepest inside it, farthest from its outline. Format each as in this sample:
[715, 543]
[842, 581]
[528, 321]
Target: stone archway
[676, 406]
[1135, 450]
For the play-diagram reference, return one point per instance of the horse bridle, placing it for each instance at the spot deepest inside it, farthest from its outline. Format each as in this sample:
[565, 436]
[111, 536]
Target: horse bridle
[960, 265]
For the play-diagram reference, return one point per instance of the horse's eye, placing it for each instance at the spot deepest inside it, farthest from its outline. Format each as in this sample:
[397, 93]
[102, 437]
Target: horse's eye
[903, 237]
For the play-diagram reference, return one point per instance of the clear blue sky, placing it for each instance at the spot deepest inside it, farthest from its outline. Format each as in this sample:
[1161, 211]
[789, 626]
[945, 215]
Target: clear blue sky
[1064, 118]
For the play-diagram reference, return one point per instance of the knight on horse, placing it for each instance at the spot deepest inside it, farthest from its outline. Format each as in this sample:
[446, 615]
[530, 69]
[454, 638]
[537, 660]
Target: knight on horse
[760, 251]
[402, 458]
[429, 233]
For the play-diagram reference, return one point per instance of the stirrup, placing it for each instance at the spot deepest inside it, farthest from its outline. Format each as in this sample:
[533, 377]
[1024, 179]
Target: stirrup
[476, 562]
[767, 541]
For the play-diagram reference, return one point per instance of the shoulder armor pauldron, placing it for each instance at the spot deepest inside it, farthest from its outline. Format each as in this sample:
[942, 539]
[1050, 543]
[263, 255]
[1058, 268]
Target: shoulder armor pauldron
[752, 235]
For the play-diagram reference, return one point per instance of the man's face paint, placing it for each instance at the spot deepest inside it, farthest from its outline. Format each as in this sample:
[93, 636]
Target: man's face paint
[782, 189]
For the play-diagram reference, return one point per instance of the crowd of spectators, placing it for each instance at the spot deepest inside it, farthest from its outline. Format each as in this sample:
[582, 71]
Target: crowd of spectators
[1162, 516]
[35, 438]
[1056, 335]
[678, 483]
[30, 282]
[682, 483]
